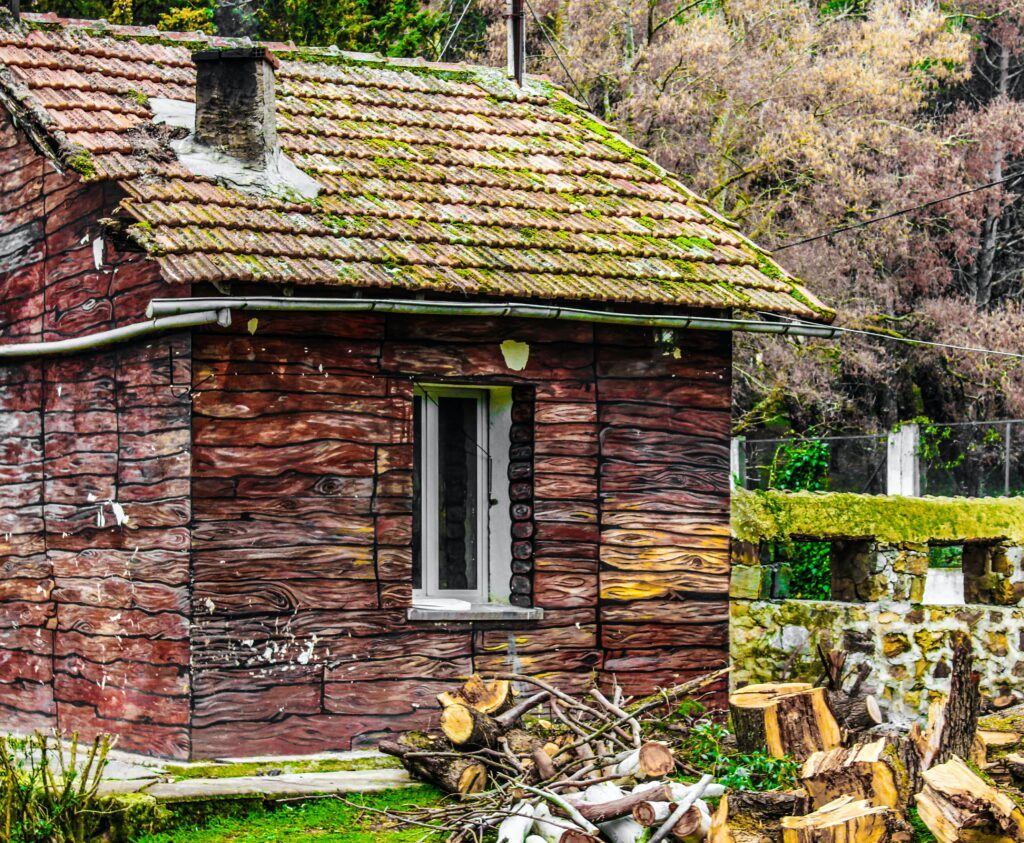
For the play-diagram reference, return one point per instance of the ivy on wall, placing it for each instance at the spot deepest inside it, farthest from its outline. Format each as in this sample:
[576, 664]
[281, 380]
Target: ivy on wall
[803, 466]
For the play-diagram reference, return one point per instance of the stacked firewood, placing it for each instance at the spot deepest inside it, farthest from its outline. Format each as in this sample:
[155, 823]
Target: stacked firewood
[549, 767]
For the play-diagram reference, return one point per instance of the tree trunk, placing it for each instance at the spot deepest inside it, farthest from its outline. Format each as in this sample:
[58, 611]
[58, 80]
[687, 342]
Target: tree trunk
[650, 814]
[784, 718]
[953, 721]
[425, 760]
[844, 820]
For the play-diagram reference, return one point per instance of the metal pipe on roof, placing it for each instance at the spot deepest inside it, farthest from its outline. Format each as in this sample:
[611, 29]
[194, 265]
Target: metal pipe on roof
[414, 307]
[88, 342]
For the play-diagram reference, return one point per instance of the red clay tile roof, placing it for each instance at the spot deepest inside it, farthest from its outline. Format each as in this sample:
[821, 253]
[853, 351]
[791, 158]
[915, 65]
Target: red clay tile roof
[434, 178]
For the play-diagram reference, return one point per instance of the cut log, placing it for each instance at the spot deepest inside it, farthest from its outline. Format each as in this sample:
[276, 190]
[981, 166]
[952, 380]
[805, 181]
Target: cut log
[430, 758]
[843, 820]
[601, 812]
[996, 742]
[656, 760]
[487, 697]
[748, 817]
[873, 771]
[959, 805]
[514, 828]
[649, 814]
[855, 713]
[543, 765]
[521, 743]
[467, 727]
[652, 760]
[790, 718]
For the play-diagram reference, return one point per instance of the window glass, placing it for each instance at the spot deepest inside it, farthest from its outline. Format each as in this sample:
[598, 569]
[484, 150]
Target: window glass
[417, 493]
[457, 493]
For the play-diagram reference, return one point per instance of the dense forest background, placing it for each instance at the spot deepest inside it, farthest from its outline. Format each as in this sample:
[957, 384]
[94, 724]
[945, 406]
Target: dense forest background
[793, 117]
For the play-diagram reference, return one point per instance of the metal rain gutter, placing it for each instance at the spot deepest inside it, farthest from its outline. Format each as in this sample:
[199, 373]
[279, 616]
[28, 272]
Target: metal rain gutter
[88, 342]
[167, 307]
[172, 314]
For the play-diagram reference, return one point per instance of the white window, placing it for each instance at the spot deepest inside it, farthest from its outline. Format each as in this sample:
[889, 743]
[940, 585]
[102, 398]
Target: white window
[462, 545]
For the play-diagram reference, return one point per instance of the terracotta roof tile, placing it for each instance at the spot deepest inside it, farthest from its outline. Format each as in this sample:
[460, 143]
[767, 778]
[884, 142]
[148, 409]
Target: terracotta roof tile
[439, 178]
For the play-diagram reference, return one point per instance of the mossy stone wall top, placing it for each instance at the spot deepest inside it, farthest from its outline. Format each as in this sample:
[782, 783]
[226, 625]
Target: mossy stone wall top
[768, 515]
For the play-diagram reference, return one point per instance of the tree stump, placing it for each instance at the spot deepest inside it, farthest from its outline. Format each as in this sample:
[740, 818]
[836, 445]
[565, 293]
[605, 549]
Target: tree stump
[790, 718]
[748, 817]
[873, 771]
[958, 805]
[843, 820]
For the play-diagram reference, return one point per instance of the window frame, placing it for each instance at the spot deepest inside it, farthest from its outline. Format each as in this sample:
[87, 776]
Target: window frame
[429, 550]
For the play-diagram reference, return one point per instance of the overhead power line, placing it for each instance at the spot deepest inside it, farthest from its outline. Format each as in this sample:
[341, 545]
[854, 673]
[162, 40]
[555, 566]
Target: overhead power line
[908, 340]
[558, 56]
[899, 213]
[455, 29]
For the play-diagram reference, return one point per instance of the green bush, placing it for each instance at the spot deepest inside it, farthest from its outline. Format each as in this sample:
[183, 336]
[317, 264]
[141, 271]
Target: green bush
[48, 794]
[704, 749]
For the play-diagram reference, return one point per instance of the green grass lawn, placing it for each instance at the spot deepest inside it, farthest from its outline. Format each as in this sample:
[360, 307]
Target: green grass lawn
[322, 820]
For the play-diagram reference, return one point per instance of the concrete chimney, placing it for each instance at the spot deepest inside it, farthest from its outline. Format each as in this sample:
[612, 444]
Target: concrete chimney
[235, 109]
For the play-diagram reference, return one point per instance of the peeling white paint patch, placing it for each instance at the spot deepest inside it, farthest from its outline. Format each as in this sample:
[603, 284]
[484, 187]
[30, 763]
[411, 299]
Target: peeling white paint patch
[516, 354]
[97, 252]
[281, 176]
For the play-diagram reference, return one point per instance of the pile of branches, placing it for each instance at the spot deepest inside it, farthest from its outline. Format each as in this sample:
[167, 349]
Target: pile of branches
[549, 767]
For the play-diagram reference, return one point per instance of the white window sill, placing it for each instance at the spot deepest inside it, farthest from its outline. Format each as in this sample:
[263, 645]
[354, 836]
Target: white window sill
[463, 610]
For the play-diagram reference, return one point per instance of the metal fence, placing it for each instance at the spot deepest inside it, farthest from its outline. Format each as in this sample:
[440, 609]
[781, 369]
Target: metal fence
[976, 459]
[856, 463]
[972, 459]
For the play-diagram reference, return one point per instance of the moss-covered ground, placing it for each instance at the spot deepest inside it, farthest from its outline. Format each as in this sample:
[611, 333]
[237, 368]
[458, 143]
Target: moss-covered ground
[321, 820]
[264, 768]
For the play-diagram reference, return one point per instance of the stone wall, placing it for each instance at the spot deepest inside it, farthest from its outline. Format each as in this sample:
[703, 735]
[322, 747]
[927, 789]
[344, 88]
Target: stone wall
[880, 574]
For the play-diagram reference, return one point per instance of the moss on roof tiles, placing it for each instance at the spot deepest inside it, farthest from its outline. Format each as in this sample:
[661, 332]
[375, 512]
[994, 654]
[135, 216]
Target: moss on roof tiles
[534, 196]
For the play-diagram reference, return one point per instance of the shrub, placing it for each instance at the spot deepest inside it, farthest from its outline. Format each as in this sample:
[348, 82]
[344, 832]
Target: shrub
[48, 791]
[705, 749]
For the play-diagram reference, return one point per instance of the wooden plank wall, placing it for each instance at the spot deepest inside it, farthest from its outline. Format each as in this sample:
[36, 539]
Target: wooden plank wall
[94, 616]
[269, 506]
[302, 501]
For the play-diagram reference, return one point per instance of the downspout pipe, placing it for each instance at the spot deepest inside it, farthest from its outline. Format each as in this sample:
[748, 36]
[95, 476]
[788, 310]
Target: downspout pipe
[162, 308]
[100, 339]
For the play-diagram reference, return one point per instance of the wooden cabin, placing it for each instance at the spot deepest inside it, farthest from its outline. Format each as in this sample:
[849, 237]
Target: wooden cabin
[329, 378]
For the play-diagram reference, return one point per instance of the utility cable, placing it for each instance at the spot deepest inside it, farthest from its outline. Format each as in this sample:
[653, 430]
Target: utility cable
[451, 37]
[909, 340]
[558, 55]
[899, 213]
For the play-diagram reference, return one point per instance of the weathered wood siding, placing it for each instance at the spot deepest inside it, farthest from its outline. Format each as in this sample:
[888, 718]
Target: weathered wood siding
[302, 492]
[254, 601]
[94, 617]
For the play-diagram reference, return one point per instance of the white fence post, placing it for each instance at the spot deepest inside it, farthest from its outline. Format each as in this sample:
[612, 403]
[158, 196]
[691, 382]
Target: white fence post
[903, 475]
[737, 462]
